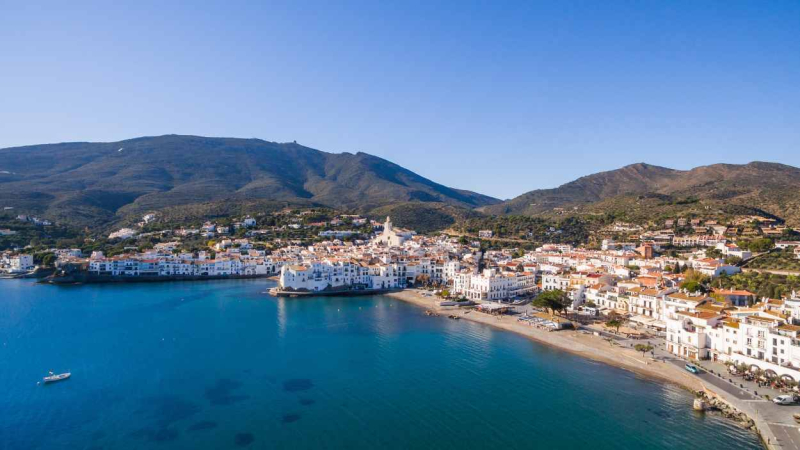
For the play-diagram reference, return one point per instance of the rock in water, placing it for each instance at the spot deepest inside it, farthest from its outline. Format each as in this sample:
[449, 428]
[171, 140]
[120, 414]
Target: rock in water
[699, 404]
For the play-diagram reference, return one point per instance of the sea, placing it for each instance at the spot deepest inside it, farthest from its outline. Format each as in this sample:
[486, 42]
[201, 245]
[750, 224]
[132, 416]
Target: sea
[223, 365]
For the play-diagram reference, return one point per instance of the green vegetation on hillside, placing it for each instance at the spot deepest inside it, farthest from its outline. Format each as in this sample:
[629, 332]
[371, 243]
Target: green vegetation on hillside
[776, 260]
[762, 284]
[569, 230]
[422, 217]
[642, 193]
[28, 233]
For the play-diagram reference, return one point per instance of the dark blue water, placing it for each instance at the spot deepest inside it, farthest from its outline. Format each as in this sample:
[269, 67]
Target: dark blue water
[220, 365]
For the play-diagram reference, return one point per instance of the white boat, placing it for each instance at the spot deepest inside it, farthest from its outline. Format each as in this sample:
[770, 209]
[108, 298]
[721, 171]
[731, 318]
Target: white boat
[53, 377]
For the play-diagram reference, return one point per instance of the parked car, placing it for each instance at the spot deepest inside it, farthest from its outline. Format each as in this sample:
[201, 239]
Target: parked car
[692, 368]
[784, 400]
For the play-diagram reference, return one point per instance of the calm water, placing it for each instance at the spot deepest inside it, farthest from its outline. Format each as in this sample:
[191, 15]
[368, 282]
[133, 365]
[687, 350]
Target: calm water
[221, 365]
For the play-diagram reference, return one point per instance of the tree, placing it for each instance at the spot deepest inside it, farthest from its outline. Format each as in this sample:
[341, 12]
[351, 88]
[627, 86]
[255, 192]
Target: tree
[422, 279]
[644, 348]
[555, 300]
[614, 323]
[48, 260]
[733, 260]
[695, 281]
[693, 286]
[759, 245]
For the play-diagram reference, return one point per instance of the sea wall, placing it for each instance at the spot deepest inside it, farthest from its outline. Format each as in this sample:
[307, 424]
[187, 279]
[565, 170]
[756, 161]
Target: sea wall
[87, 278]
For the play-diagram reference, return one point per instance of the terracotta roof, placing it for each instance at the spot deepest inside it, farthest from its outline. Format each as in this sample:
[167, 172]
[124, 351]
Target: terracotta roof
[742, 292]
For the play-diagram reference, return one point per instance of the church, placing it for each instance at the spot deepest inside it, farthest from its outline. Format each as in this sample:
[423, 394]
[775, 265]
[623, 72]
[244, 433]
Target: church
[393, 237]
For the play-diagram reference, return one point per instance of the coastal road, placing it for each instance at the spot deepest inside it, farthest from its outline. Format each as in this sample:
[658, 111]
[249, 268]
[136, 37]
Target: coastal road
[787, 435]
[719, 383]
[778, 418]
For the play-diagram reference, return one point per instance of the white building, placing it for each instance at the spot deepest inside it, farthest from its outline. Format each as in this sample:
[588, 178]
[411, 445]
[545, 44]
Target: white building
[553, 281]
[493, 285]
[392, 237]
[124, 233]
[688, 333]
[321, 276]
[19, 264]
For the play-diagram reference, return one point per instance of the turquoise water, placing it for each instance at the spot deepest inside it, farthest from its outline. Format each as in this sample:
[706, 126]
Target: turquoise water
[217, 365]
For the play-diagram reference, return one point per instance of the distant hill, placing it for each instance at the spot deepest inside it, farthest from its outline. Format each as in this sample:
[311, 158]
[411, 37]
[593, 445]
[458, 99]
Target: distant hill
[642, 191]
[89, 183]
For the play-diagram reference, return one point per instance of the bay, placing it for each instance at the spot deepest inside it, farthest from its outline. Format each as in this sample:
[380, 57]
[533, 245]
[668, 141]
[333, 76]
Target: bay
[221, 364]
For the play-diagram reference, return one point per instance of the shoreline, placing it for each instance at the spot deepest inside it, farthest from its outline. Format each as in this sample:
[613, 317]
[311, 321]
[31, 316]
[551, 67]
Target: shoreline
[588, 346]
[595, 349]
[69, 280]
[331, 293]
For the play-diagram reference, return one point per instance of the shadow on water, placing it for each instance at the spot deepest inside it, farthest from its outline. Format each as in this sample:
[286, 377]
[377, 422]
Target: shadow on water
[156, 434]
[221, 393]
[168, 409]
[660, 413]
[162, 412]
[204, 425]
[297, 385]
[289, 418]
[244, 439]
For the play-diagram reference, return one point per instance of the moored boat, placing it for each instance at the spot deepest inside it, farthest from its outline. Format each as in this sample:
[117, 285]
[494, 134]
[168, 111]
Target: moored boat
[52, 378]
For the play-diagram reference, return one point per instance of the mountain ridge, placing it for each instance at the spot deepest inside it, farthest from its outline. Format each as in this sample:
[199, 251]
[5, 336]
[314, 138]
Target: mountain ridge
[103, 180]
[771, 187]
[86, 183]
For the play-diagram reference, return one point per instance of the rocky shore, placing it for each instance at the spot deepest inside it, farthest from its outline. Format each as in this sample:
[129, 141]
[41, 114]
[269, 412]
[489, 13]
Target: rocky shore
[708, 402]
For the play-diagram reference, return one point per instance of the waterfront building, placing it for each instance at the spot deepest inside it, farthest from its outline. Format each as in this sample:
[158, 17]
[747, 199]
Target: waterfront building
[16, 264]
[493, 285]
[688, 333]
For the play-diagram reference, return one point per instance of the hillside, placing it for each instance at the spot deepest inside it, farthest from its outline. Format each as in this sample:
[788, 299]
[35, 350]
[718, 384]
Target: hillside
[93, 183]
[645, 192]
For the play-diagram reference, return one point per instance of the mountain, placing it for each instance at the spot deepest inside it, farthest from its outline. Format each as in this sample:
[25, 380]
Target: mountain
[90, 183]
[757, 187]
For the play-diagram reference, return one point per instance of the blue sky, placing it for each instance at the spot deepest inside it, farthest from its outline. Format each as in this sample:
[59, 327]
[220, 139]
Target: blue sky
[496, 97]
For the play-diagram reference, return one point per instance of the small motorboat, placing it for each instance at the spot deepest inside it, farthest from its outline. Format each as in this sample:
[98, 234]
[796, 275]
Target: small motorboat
[692, 368]
[52, 378]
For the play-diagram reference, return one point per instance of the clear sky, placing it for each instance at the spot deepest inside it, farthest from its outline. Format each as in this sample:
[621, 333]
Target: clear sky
[497, 97]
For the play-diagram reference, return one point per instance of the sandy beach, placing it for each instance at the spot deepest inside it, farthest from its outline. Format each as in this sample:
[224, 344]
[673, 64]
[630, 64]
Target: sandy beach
[598, 349]
[585, 345]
